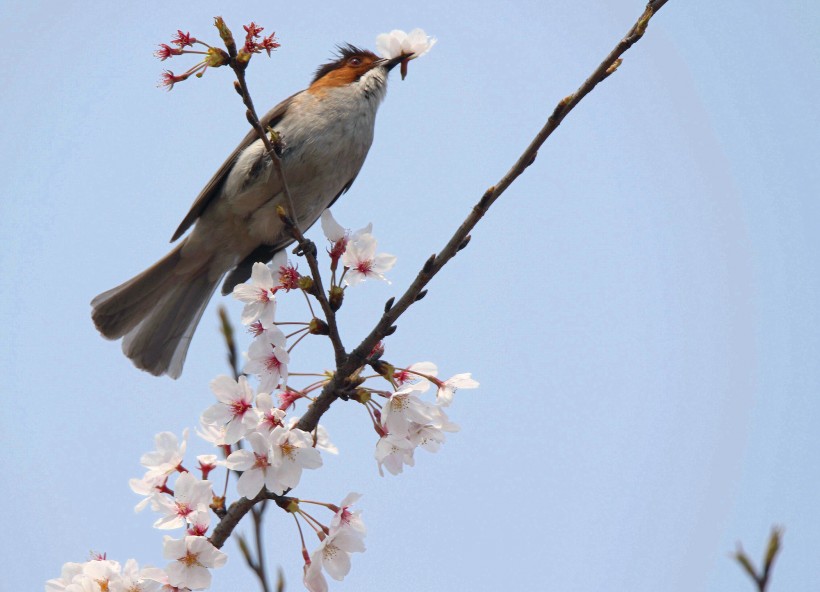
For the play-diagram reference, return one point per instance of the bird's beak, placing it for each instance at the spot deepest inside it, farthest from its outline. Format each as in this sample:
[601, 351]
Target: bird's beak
[391, 63]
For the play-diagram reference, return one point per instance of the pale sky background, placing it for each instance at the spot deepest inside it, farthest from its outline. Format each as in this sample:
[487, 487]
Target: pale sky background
[641, 308]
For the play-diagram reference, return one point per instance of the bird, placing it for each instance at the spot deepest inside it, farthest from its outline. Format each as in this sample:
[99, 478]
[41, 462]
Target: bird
[324, 134]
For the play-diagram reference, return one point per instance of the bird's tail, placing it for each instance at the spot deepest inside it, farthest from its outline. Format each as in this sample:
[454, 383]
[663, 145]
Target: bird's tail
[157, 312]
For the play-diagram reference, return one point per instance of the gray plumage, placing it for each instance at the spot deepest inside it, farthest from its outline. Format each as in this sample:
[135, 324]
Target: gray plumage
[327, 132]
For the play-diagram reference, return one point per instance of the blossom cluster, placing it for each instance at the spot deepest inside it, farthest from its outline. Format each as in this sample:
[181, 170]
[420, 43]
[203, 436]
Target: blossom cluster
[411, 45]
[344, 536]
[100, 573]
[260, 442]
[213, 57]
[406, 422]
[192, 557]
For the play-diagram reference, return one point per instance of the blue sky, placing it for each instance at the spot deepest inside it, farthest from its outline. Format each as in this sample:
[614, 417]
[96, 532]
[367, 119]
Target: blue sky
[641, 307]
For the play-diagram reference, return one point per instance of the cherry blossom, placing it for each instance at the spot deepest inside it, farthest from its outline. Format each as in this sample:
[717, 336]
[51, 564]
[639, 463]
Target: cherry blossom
[192, 556]
[268, 359]
[256, 466]
[148, 486]
[135, 579]
[211, 433]
[321, 436]
[190, 495]
[347, 519]
[339, 237]
[102, 574]
[292, 451]
[414, 44]
[314, 579]
[398, 43]
[168, 455]
[269, 416]
[260, 295]
[333, 553]
[447, 388]
[403, 408]
[67, 574]
[362, 261]
[161, 578]
[199, 522]
[393, 452]
[430, 436]
[235, 407]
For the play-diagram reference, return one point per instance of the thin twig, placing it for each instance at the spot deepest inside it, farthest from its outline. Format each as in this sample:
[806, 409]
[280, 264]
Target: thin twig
[761, 580]
[261, 573]
[306, 247]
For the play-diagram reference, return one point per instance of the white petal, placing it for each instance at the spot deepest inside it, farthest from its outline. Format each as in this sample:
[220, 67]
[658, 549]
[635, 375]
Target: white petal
[383, 262]
[332, 229]
[250, 483]
[240, 460]
[261, 275]
[224, 388]
[337, 563]
[428, 368]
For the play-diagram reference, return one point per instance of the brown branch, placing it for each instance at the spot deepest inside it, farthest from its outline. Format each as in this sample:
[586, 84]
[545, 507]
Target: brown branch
[340, 383]
[434, 264]
[308, 248]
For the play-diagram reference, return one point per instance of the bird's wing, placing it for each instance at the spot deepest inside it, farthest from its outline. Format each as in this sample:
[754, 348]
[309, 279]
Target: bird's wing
[211, 190]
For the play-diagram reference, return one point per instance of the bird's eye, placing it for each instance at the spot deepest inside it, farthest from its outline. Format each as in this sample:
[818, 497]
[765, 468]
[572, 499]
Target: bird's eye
[355, 61]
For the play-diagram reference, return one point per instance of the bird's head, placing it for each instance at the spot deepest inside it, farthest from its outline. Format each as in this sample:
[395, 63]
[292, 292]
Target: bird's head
[354, 66]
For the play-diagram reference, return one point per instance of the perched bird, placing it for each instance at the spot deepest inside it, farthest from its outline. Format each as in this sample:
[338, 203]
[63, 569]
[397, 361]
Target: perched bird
[326, 131]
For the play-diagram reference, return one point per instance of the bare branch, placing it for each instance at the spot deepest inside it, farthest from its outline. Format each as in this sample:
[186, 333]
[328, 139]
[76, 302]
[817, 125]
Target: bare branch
[458, 241]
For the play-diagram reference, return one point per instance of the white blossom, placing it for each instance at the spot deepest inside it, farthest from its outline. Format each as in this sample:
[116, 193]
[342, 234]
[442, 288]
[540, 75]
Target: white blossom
[395, 43]
[168, 455]
[430, 436]
[148, 486]
[292, 451]
[192, 557]
[403, 408]
[362, 261]
[393, 452]
[322, 437]
[447, 388]
[260, 295]
[269, 415]
[256, 465]
[268, 359]
[190, 495]
[345, 518]
[234, 408]
[333, 555]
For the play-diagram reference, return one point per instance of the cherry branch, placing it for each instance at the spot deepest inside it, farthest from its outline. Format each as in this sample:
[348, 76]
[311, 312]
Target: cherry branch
[343, 383]
[386, 325]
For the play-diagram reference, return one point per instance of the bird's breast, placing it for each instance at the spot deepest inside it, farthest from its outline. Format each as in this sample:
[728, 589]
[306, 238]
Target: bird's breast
[326, 139]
